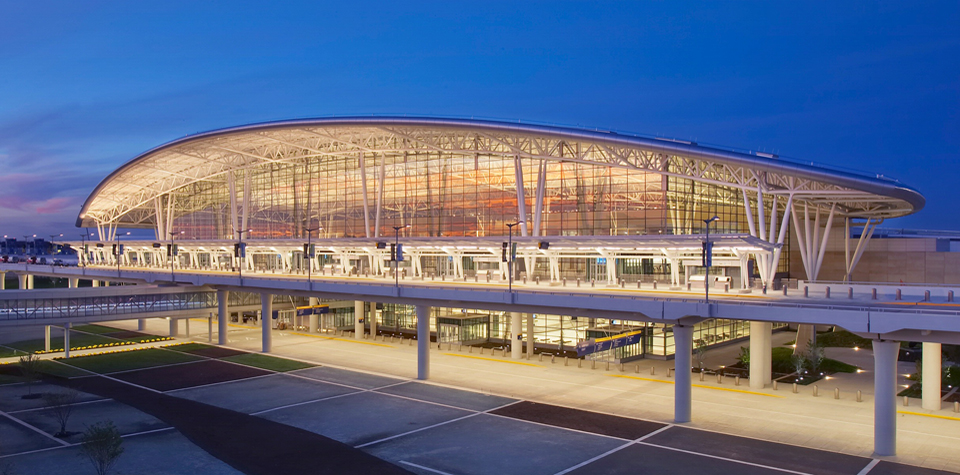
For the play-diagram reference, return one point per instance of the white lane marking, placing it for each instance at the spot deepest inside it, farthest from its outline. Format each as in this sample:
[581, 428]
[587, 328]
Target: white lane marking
[724, 458]
[654, 433]
[866, 470]
[421, 467]
[48, 407]
[35, 429]
[435, 425]
[305, 402]
[594, 459]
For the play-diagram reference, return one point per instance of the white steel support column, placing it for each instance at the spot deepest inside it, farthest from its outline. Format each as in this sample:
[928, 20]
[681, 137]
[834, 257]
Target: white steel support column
[683, 343]
[516, 343]
[538, 203]
[66, 340]
[760, 354]
[530, 336]
[46, 337]
[885, 397]
[358, 306]
[223, 315]
[423, 342]
[521, 196]
[266, 321]
[366, 201]
[931, 372]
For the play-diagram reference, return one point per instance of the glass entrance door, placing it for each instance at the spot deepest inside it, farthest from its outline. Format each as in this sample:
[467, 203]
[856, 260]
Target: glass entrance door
[449, 333]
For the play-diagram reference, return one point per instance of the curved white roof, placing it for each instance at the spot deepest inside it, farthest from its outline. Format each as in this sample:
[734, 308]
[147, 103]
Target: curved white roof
[125, 197]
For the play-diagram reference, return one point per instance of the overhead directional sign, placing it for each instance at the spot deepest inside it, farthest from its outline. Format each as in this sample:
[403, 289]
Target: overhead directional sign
[587, 347]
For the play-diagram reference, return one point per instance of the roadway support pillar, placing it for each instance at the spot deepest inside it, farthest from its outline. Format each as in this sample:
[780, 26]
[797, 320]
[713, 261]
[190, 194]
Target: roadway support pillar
[761, 365]
[314, 318]
[73, 283]
[22, 281]
[358, 318]
[516, 329]
[210, 329]
[46, 337]
[266, 321]
[885, 354]
[66, 340]
[530, 332]
[372, 318]
[141, 324]
[94, 283]
[423, 342]
[683, 342]
[30, 282]
[223, 315]
[173, 327]
[186, 327]
[930, 376]
[3, 280]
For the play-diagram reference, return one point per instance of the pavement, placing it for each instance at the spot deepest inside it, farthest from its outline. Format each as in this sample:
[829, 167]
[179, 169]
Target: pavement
[483, 413]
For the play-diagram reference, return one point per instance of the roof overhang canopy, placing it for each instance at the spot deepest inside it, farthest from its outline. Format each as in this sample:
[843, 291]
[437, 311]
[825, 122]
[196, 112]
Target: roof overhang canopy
[208, 155]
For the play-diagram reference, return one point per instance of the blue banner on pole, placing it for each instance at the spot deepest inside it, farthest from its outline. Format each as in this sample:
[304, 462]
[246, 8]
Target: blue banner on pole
[603, 344]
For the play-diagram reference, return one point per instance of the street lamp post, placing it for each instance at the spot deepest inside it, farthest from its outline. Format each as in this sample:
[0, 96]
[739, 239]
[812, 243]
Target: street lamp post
[173, 253]
[708, 257]
[241, 252]
[308, 251]
[119, 252]
[510, 255]
[396, 254]
[81, 256]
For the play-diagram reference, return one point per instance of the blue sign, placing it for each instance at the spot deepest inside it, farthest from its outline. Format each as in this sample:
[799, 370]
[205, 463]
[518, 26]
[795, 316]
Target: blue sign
[601, 260]
[603, 344]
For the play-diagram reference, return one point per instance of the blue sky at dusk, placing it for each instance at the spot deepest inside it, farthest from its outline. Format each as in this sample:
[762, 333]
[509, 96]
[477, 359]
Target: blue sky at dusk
[872, 86]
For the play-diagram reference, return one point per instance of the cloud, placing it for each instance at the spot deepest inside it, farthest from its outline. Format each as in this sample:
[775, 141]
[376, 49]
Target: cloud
[54, 205]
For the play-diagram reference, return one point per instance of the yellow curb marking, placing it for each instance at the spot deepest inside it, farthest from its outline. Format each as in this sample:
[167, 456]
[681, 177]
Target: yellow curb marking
[342, 339]
[929, 415]
[494, 359]
[695, 385]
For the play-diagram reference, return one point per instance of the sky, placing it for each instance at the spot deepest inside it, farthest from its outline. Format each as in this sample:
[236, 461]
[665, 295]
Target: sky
[869, 86]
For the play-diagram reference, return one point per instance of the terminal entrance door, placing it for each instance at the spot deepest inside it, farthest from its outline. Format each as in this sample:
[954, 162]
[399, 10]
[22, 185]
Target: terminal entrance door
[449, 333]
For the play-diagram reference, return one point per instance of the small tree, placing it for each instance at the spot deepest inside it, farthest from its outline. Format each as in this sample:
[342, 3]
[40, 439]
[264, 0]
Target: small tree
[102, 446]
[700, 350]
[61, 405]
[799, 363]
[815, 355]
[30, 370]
[744, 357]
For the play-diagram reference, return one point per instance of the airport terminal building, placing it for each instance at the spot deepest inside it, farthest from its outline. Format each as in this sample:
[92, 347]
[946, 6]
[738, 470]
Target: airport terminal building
[484, 201]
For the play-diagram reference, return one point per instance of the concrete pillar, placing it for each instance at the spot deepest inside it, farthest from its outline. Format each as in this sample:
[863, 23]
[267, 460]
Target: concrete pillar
[22, 281]
[46, 337]
[683, 342]
[141, 324]
[930, 376]
[173, 327]
[223, 316]
[186, 327]
[266, 321]
[73, 283]
[885, 354]
[210, 329]
[66, 340]
[358, 319]
[94, 283]
[530, 338]
[516, 330]
[761, 365]
[423, 342]
[3, 280]
[372, 318]
[30, 282]
[314, 318]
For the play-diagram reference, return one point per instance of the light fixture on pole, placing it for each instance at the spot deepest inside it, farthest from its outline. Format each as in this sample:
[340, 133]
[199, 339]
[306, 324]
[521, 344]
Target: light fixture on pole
[240, 251]
[511, 255]
[397, 254]
[118, 251]
[708, 257]
[308, 252]
[82, 255]
[173, 253]
[53, 249]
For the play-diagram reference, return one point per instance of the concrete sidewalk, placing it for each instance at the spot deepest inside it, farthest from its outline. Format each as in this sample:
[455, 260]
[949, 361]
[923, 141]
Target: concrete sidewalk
[925, 438]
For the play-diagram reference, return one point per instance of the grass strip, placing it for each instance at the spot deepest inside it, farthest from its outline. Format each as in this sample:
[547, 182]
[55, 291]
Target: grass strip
[97, 329]
[268, 362]
[190, 347]
[55, 368]
[128, 360]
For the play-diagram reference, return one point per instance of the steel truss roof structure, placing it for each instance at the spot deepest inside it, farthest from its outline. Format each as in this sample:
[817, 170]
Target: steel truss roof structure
[126, 198]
